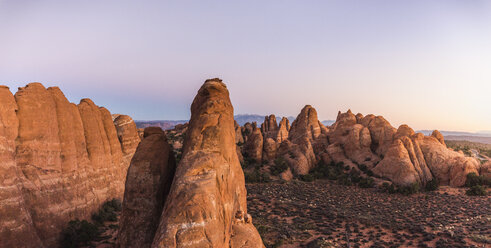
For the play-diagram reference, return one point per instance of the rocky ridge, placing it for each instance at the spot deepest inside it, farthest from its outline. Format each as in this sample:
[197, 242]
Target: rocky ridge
[60, 161]
[362, 143]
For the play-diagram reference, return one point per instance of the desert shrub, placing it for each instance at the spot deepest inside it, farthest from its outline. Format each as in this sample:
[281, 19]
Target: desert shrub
[477, 190]
[409, 189]
[344, 180]
[366, 182]
[78, 234]
[107, 212]
[389, 188]
[354, 176]
[370, 173]
[432, 185]
[256, 177]
[363, 167]
[279, 166]
[405, 190]
[248, 162]
[306, 178]
[473, 179]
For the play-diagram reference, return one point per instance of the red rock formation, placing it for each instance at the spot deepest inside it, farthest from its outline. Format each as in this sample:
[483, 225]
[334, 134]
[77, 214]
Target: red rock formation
[269, 149]
[283, 130]
[304, 133]
[206, 206]
[405, 157]
[62, 162]
[239, 139]
[16, 225]
[148, 183]
[269, 128]
[253, 147]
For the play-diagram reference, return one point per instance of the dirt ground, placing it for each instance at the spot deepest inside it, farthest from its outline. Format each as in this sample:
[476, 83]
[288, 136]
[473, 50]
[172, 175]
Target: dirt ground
[323, 214]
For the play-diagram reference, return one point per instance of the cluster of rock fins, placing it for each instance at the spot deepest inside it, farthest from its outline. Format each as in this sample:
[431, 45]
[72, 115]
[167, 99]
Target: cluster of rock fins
[58, 161]
[398, 155]
[61, 161]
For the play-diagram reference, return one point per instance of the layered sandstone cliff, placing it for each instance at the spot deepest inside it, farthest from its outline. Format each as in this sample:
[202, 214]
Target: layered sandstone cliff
[62, 161]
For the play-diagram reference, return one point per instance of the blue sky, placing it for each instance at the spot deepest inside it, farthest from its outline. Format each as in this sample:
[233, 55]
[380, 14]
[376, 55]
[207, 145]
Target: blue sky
[422, 63]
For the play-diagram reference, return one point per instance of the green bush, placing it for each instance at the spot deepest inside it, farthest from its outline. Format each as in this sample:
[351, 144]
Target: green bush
[280, 165]
[405, 190]
[344, 180]
[410, 189]
[477, 190]
[307, 178]
[432, 185]
[79, 234]
[363, 167]
[389, 188]
[473, 179]
[366, 183]
[256, 177]
[107, 212]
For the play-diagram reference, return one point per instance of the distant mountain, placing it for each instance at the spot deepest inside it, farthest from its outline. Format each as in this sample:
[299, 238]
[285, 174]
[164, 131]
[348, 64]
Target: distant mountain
[454, 133]
[164, 124]
[327, 122]
[241, 119]
[244, 118]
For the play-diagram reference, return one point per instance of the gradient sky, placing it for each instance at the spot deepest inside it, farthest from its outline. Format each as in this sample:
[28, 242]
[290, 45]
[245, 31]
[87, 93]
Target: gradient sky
[423, 63]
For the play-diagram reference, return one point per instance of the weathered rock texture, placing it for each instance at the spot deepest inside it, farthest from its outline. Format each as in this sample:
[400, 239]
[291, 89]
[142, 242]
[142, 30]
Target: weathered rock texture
[253, 147]
[305, 134]
[400, 155]
[206, 206]
[147, 185]
[59, 162]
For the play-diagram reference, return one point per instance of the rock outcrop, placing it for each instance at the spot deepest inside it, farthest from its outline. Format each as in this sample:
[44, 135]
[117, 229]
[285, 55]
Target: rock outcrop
[283, 130]
[269, 128]
[304, 133]
[148, 183]
[61, 161]
[206, 206]
[239, 138]
[400, 155]
[253, 147]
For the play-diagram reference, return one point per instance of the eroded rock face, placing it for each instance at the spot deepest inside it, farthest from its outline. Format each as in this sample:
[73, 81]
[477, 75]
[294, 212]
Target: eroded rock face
[269, 128]
[304, 133]
[253, 147]
[283, 130]
[206, 206]
[239, 139]
[61, 164]
[14, 214]
[269, 149]
[401, 155]
[449, 167]
[148, 183]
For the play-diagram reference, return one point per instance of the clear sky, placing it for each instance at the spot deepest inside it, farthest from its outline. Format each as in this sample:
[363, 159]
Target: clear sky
[423, 63]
